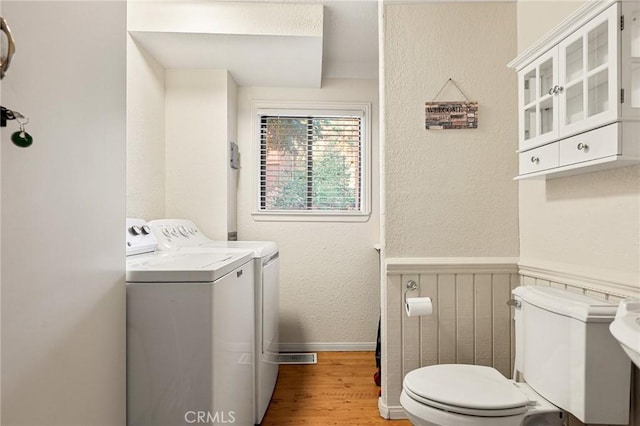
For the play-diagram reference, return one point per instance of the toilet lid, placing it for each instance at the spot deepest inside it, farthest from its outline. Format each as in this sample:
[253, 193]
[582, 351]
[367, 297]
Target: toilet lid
[466, 389]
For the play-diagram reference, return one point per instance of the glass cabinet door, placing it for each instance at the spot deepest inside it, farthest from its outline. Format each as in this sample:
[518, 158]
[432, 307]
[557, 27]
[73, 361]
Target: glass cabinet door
[588, 75]
[572, 76]
[538, 101]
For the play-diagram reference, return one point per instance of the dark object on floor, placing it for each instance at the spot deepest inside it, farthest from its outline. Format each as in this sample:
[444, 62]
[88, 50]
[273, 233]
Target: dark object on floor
[376, 376]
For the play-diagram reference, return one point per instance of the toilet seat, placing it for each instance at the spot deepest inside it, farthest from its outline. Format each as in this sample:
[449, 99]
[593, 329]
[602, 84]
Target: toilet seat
[466, 389]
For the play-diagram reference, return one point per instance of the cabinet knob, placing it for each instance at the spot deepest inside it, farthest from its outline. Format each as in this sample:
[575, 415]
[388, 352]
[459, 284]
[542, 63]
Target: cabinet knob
[552, 90]
[582, 147]
[535, 160]
[559, 89]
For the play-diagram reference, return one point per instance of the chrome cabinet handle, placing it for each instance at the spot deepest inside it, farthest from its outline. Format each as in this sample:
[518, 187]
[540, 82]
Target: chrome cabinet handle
[535, 160]
[555, 90]
[11, 48]
[582, 147]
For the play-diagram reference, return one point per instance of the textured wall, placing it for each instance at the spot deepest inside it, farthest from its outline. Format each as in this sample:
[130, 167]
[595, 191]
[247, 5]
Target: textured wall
[196, 148]
[450, 193]
[232, 136]
[226, 17]
[536, 18]
[63, 201]
[586, 224]
[329, 290]
[145, 134]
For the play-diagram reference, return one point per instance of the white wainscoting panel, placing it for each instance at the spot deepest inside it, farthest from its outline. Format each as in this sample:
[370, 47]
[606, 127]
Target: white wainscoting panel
[471, 321]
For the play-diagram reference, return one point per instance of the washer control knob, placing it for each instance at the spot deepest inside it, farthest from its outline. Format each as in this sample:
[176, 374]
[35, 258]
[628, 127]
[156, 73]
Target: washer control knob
[135, 230]
[183, 231]
[166, 232]
[146, 230]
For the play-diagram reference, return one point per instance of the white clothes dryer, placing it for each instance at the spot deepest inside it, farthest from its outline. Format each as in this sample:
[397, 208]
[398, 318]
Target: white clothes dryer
[189, 335]
[184, 236]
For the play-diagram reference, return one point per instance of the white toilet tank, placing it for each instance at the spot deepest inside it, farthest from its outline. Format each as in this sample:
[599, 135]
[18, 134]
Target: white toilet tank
[565, 352]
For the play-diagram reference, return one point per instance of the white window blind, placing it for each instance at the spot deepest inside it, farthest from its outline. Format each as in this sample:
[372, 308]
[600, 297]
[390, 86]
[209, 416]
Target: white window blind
[311, 163]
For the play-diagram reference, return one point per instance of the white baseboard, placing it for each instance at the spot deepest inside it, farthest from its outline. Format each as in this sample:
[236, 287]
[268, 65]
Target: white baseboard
[328, 347]
[391, 412]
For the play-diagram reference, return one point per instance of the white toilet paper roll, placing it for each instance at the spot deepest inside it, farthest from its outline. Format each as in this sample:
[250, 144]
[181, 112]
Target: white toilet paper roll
[417, 306]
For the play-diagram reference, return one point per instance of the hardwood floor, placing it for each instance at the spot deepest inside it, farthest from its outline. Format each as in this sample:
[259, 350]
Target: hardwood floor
[338, 390]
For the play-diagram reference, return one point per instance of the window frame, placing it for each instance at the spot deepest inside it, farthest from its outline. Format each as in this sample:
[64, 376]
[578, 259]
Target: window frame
[310, 109]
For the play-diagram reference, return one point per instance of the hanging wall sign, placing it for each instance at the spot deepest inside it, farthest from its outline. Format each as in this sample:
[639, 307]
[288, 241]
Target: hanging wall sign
[440, 115]
[451, 115]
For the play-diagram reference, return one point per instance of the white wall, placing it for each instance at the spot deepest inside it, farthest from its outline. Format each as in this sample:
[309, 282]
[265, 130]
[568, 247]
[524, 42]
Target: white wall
[450, 192]
[585, 225]
[537, 17]
[179, 124]
[1, 144]
[222, 17]
[63, 205]
[197, 144]
[145, 134]
[0, 259]
[232, 136]
[329, 293]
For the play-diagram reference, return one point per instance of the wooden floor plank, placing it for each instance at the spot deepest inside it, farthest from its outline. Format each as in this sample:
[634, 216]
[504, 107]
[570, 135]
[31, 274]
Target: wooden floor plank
[338, 390]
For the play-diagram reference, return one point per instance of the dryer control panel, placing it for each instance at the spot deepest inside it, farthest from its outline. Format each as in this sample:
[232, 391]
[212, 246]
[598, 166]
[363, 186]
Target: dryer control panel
[139, 237]
[176, 233]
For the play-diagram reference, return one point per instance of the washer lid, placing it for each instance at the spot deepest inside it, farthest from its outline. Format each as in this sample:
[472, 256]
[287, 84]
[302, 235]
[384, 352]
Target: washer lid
[174, 267]
[260, 249]
[466, 387]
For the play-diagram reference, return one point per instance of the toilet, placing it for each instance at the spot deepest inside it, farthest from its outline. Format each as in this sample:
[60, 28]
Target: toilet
[564, 352]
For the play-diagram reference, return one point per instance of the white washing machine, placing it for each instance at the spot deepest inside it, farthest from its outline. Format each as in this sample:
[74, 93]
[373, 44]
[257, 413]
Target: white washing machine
[183, 236]
[190, 334]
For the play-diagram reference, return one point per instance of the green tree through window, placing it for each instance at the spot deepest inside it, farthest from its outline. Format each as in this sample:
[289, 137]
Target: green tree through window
[310, 163]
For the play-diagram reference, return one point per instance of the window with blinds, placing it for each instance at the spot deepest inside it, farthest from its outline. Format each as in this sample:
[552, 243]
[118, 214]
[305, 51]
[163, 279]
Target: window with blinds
[311, 163]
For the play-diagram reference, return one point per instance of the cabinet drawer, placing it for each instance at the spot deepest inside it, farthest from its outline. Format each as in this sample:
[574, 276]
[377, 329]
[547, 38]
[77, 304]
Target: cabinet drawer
[535, 160]
[598, 143]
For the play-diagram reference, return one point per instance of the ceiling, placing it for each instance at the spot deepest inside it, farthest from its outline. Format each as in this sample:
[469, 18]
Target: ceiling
[348, 48]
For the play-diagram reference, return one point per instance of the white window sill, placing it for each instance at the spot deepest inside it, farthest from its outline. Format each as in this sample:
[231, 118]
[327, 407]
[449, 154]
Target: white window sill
[306, 216]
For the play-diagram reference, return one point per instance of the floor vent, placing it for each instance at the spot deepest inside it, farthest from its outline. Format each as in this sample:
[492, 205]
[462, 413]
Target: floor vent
[291, 358]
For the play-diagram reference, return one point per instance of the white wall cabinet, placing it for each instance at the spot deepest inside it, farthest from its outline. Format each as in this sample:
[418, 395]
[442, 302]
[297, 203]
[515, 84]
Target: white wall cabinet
[579, 93]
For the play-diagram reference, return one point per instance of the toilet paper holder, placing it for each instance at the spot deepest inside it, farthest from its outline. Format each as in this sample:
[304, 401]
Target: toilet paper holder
[410, 286]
